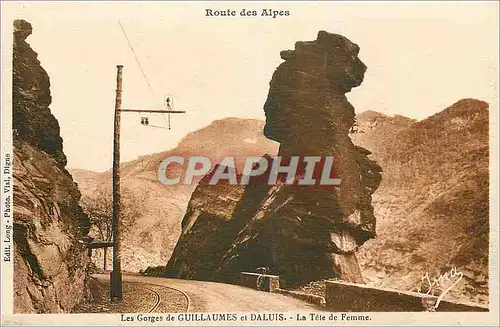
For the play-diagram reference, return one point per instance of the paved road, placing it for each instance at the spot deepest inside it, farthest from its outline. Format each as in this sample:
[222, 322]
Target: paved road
[220, 297]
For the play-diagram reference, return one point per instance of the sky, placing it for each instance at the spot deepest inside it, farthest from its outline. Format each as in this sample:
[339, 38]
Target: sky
[422, 57]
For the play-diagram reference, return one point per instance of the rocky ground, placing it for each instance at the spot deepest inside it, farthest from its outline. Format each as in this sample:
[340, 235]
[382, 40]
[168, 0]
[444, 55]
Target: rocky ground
[137, 297]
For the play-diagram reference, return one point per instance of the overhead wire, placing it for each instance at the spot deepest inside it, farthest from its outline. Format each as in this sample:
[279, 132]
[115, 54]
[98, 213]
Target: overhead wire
[147, 82]
[143, 73]
[137, 59]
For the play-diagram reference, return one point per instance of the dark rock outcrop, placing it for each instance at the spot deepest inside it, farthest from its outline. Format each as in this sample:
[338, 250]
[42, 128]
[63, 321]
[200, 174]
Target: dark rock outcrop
[32, 119]
[49, 225]
[299, 233]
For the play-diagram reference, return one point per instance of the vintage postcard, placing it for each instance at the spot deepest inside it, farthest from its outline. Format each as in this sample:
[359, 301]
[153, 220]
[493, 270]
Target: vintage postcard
[249, 163]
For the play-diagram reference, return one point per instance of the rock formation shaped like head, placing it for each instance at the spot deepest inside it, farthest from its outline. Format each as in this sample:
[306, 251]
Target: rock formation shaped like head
[308, 113]
[332, 57]
[307, 92]
[22, 29]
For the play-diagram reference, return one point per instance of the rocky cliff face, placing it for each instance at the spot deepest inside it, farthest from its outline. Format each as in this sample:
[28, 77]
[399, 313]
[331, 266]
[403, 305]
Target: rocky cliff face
[33, 122]
[304, 233]
[49, 226]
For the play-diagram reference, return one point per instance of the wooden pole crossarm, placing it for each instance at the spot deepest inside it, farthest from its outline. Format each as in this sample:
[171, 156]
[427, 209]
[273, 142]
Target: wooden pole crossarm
[154, 111]
[116, 282]
[100, 245]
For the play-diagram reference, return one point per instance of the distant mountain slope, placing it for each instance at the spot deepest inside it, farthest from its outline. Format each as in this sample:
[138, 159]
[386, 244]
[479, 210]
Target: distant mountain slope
[433, 204]
[376, 131]
[153, 238]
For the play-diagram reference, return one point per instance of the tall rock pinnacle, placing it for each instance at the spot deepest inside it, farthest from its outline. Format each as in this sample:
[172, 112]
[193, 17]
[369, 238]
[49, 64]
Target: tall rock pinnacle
[308, 113]
[299, 233]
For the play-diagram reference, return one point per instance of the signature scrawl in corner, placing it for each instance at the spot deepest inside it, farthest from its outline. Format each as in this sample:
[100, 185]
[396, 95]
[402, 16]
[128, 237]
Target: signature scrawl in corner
[449, 279]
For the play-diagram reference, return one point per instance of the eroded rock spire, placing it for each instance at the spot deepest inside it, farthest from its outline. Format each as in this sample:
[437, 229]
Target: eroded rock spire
[299, 233]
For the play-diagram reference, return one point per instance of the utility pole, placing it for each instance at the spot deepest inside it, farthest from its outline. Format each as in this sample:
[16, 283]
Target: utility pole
[116, 273]
[116, 289]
